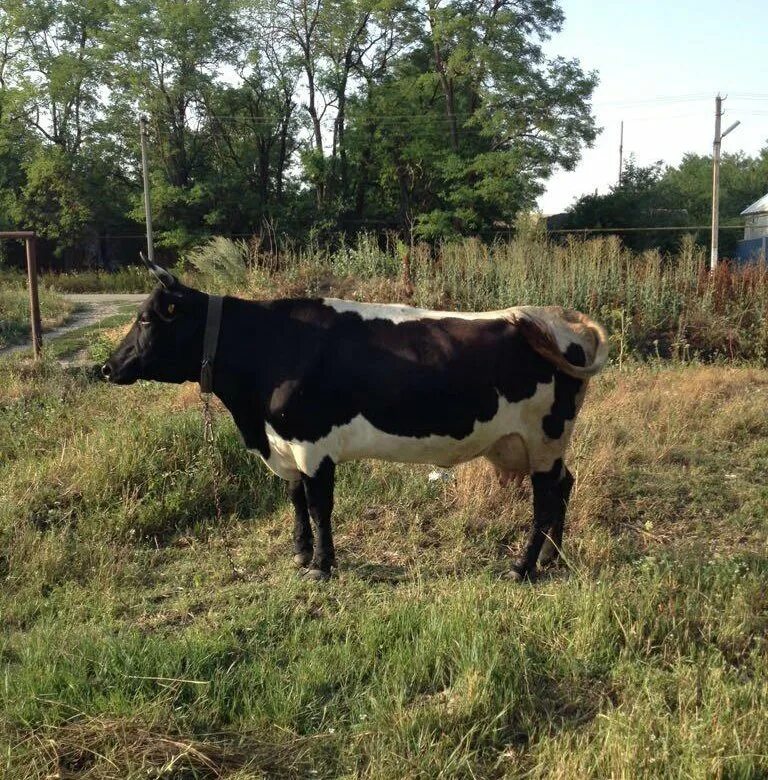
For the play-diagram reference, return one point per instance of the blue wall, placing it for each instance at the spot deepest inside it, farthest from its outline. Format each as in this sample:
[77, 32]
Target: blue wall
[751, 250]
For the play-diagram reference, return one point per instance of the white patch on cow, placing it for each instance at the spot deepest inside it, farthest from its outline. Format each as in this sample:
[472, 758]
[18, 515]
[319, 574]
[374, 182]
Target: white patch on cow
[281, 460]
[359, 439]
[398, 313]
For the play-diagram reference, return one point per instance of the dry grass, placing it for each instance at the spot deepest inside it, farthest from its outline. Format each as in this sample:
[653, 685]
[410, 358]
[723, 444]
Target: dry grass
[102, 748]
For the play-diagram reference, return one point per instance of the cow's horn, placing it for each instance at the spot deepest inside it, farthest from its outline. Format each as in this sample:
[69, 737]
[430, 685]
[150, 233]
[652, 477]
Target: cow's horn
[166, 278]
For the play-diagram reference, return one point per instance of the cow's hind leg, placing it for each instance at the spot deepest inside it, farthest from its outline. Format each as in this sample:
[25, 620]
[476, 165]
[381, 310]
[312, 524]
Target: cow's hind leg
[303, 541]
[553, 544]
[319, 492]
[549, 504]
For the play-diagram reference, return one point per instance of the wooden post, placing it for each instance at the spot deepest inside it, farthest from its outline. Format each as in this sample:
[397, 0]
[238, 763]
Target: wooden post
[34, 298]
[30, 241]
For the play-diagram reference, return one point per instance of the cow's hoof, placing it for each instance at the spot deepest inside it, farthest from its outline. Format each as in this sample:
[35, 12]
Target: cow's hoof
[549, 556]
[315, 575]
[517, 574]
[302, 560]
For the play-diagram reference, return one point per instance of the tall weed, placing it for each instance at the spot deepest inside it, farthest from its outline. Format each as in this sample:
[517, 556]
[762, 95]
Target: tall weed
[653, 304]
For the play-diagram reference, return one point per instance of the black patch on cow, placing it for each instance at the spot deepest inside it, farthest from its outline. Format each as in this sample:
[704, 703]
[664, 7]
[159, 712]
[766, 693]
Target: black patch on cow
[575, 355]
[548, 478]
[416, 378]
[319, 493]
[303, 540]
[246, 410]
[566, 389]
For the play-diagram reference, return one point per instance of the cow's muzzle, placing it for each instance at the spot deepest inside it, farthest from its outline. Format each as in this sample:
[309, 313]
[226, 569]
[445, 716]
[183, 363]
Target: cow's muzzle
[115, 375]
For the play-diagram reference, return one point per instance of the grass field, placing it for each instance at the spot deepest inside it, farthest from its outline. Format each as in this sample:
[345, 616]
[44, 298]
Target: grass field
[130, 650]
[14, 312]
[142, 638]
[130, 279]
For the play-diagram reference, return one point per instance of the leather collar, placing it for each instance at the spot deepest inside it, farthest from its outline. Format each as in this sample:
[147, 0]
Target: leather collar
[210, 342]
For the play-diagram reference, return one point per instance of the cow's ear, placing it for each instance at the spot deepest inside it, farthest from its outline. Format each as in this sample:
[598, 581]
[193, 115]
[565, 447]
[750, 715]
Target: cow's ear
[170, 303]
[165, 277]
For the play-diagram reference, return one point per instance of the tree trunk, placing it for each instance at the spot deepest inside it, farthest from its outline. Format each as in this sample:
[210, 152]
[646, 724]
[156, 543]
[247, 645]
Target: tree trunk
[445, 81]
[340, 127]
[365, 162]
[265, 147]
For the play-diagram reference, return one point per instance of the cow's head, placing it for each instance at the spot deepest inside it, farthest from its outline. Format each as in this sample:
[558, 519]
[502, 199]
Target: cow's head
[166, 341]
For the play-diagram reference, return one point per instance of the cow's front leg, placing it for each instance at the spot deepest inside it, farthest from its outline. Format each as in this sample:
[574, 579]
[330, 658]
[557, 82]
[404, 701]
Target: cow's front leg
[549, 505]
[303, 541]
[319, 493]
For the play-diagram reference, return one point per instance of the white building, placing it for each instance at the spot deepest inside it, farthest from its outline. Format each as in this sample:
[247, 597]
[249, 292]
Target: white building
[755, 243]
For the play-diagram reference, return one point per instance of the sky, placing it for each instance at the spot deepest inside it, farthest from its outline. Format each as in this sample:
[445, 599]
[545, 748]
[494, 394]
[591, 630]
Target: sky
[660, 66]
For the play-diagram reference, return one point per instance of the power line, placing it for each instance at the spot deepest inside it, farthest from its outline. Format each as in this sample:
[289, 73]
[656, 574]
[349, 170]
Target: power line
[642, 229]
[661, 100]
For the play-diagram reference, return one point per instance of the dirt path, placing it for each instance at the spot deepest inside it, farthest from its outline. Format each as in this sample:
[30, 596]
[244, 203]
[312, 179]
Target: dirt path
[94, 307]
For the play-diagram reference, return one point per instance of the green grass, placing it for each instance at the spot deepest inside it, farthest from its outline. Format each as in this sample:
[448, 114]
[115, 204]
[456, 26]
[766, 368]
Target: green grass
[130, 279]
[92, 342]
[14, 312]
[130, 650]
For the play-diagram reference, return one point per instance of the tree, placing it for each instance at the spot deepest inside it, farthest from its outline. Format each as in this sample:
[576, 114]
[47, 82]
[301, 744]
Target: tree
[166, 55]
[480, 117]
[434, 116]
[59, 67]
[675, 196]
[638, 201]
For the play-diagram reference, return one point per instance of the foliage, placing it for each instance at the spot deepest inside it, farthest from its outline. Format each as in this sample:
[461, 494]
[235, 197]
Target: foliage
[742, 181]
[51, 201]
[128, 279]
[652, 303]
[658, 195]
[435, 118]
[221, 261]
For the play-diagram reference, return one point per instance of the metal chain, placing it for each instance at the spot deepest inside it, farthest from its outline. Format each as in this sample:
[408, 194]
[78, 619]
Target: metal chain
[238, 573]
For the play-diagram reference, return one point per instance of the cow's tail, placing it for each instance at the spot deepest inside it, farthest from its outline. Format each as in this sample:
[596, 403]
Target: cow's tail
[590, 335]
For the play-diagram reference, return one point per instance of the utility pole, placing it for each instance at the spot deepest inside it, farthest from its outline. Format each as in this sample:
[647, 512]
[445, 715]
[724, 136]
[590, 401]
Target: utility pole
[713, 260]
[143, 132]
[621, 151]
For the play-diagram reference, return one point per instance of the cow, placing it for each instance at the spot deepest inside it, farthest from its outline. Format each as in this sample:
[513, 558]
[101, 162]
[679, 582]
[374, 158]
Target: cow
[314, 382]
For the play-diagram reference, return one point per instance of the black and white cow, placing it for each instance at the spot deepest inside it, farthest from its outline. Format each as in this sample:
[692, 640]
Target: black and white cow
[312, 383]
